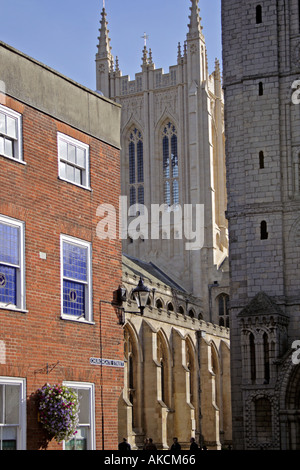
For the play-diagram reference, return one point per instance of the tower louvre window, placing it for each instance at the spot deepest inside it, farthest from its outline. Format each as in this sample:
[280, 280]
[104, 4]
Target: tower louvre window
[261, 160]
[258, 14]
[266, 358]
[260, 89]
[252, 358]
[263, 230]
[136, 167]
[223, 301]
[170, 165]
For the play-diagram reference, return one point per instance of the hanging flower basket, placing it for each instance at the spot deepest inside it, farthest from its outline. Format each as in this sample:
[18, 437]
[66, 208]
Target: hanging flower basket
[58, 408]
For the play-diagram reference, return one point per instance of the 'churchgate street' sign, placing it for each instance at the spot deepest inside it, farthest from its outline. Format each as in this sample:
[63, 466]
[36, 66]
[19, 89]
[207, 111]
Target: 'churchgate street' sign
[98, 361]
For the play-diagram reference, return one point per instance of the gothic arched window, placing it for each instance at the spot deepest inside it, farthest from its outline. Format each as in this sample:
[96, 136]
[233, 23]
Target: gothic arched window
[266, 358]
[190, 363]
[261, 160]
[252, 358]
[263, 230]
[170, 165]
[223, 300]
[131, 374]
[263, 420]
[136, 167]
[258, 14]
[163, 360]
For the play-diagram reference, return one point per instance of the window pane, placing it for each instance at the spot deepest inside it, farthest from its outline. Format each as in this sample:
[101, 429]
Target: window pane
[2, 123]
[131, 163]
[1, 145]
[73, 298]
[71, 153]
[9, 244]
[2, 388]
[79, 442]
[9, 438]
[77, 176]
[62, 170]
[8, 285]
[12, 402]
[166, 157]
[63, 149]
[70, 172]
[167, 193]
[75, 261]
[175, 192]
[11, 129]
[140, 163]
[132, 196]
[80, 157]
[141, 195]
[84, 402]
[8, 148]
[174, 156]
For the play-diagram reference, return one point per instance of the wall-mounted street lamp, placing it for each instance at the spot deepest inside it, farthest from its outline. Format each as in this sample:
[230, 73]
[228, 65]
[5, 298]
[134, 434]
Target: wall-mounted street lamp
[141, 294]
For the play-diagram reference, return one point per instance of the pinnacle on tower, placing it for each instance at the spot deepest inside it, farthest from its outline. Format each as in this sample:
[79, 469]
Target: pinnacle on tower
[217, 68]
[179, 53]
[104, 49]
[195, 28]
[145, 56]
[104, 58]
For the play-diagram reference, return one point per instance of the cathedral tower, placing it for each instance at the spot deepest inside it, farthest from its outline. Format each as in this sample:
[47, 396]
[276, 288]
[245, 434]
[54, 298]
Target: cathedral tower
[173, 156]
[261, 43]
[176, 367]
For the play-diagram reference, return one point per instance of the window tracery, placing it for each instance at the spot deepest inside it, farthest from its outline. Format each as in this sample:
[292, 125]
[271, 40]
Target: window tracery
[136, 167]
[170, 165]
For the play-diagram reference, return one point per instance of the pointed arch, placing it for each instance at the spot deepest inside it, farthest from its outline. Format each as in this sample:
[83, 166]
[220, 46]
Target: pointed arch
[133, 374]
[130, 328]
[168, 151]
[170, 164]
[133, 179]
[216, 372]
[223, 309]
[165, 366]
[294, 233]
[159, 304]
[215, 358]
[191, 313]
[192, 370]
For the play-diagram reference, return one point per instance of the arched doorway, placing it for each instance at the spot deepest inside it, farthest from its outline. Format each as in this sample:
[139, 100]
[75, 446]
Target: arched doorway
[292, 410]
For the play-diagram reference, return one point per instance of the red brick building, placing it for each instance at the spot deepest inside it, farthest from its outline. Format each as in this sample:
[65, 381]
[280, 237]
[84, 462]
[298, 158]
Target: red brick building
[59, 160]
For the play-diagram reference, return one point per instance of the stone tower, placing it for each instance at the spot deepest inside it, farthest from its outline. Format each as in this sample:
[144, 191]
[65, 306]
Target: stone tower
[172, 156]
[261, 67]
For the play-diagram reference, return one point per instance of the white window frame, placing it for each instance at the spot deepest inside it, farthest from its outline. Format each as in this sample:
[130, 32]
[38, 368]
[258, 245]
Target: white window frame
[21, 432]
[21, 291]
[88, 317]
[17, 142]
[91, 440]
[84, 169]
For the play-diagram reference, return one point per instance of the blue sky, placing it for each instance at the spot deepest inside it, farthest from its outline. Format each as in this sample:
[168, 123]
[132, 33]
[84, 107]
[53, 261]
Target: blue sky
[63, 34]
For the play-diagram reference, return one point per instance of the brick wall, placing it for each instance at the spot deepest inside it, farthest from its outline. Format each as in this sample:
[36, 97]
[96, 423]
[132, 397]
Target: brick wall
[30, 340]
